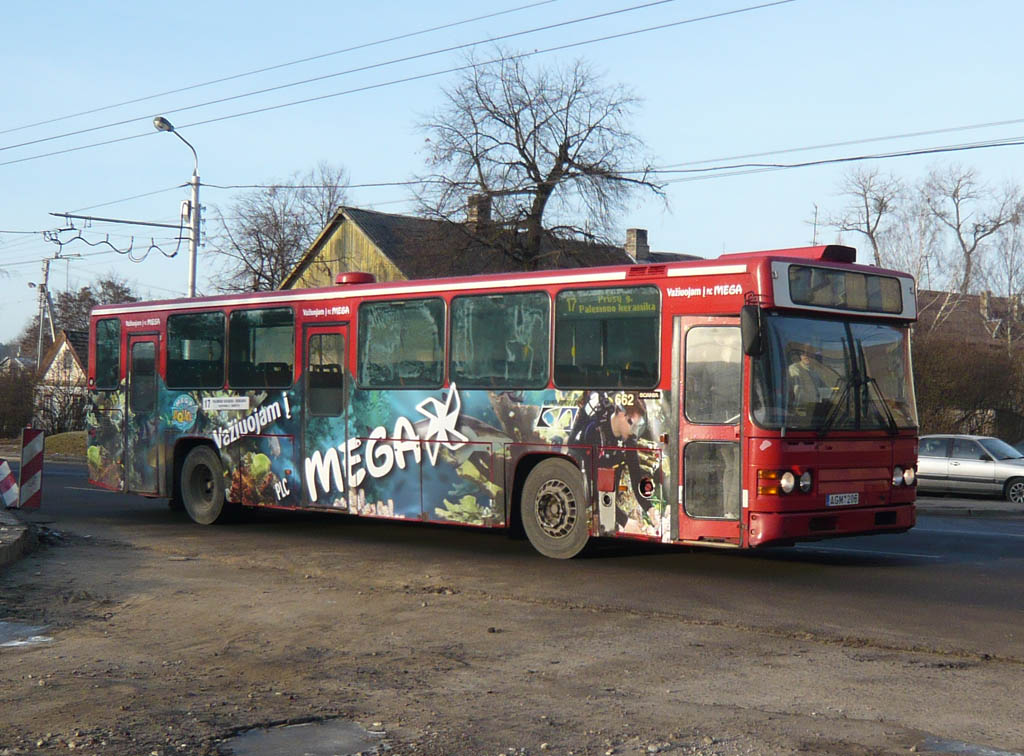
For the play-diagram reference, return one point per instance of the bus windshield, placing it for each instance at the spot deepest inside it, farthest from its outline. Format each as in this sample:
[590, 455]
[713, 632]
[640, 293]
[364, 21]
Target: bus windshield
[821, 375]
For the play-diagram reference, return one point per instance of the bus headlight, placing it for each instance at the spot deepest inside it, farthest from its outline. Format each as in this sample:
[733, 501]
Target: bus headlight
[903, 476]
[787, 482]
[806, 481]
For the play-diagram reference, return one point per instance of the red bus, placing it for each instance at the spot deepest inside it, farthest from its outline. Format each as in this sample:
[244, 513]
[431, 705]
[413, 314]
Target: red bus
[750, 400]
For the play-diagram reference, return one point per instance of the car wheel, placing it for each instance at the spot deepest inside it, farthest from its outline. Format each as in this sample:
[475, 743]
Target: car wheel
[554, 509]
[1014, 490]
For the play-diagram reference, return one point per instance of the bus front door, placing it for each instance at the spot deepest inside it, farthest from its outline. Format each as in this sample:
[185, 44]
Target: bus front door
[710, 373]
[142, 426]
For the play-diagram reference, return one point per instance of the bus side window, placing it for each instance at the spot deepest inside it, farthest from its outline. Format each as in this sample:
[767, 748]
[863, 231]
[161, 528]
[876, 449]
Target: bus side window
[261, 348]
[607, 338]
[108, 354]
[500, 340]
[195, 350]
[401, 344]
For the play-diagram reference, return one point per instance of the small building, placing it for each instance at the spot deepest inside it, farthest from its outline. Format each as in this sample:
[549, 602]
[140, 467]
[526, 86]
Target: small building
[60, 398]
[401, 247]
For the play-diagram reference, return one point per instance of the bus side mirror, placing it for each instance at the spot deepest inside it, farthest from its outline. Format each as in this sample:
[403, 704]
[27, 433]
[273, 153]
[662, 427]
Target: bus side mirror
[750, 330]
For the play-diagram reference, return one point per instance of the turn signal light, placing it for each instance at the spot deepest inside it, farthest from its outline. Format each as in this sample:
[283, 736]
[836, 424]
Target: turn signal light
[775, 482]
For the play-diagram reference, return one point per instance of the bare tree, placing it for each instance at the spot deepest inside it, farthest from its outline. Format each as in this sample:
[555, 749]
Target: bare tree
[543, 147]
[971, 213]
[912, 242]
[265, 232]
[71, 309]
[874, 200]
[1004, 275]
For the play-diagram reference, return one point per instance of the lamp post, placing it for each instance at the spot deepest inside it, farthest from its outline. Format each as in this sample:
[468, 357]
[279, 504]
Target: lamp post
[162, 124]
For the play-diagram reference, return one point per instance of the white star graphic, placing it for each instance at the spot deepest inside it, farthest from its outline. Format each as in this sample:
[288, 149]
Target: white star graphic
[442, 419]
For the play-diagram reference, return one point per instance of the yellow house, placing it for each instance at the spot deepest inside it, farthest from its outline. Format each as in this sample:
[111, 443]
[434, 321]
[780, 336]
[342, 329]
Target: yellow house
[400, 247]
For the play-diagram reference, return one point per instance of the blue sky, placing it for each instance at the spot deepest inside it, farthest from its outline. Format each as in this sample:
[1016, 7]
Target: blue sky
[793, 75]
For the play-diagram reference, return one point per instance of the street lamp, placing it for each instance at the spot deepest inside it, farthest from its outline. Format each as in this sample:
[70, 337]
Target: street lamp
[162, 124]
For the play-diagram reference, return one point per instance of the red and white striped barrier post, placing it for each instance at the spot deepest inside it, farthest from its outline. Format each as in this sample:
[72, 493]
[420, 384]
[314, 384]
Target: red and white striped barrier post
[8, 486]
[31, 479]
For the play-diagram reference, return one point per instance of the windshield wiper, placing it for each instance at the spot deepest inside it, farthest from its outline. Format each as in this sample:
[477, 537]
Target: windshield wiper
[833, 411]
[893, 428]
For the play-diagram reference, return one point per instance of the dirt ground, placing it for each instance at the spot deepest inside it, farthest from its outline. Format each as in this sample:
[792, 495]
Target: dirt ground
[160, 649]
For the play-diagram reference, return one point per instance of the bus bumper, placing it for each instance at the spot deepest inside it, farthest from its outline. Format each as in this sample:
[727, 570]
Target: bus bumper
[767, 528]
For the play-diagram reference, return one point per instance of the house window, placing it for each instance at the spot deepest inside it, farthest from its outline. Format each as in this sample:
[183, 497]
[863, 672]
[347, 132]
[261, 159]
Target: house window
[195, 350]
[500, 340]
[261, 348]
[108, 353]
[607, 338]
[401, 344]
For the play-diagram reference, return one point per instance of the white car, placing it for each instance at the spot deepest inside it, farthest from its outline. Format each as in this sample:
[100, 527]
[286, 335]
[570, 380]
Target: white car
[959, 464]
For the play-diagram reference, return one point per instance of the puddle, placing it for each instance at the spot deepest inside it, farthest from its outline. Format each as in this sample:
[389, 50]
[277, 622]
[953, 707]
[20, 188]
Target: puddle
[332, 738]
[940, 745]
[16, 634]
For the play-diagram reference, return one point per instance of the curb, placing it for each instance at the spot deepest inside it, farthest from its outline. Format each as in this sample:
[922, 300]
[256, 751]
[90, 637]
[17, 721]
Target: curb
[969, 512]
[16, 538]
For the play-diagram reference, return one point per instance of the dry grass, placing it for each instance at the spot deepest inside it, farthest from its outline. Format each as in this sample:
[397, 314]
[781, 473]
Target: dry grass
[72, 443]
[68, 444]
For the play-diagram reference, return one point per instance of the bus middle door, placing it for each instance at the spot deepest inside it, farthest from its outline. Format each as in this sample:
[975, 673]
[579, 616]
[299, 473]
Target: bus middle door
[142, 453]
[324, 415]
[711, 389]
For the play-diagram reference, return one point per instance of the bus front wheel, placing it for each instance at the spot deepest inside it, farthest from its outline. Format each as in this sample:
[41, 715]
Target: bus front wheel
[554, 509]
[202, 485]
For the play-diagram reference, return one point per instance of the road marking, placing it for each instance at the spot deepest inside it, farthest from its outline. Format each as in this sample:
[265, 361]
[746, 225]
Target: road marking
[827, 550]
[971, 533]
[93, 490]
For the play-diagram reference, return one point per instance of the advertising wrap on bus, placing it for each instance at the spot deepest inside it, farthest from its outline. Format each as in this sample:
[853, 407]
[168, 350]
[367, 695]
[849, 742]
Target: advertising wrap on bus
[557, 405]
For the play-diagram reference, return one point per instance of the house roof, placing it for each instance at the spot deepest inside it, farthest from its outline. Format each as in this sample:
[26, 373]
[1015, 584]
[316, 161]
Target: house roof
[426, 248]
[77, 341]
[969, 318]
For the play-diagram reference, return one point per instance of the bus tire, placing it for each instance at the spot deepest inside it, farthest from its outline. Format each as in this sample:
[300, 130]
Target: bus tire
[1014, 490]
[554, 509]
[202, 485]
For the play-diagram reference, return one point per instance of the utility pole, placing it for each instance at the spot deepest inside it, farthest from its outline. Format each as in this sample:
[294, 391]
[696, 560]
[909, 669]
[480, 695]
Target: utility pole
[43, 294]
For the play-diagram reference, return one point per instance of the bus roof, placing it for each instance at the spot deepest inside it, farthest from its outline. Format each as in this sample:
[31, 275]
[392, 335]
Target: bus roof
[731, 263]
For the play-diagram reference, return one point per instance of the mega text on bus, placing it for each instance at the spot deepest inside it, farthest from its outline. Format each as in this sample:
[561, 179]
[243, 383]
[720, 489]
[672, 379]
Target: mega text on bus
[754, 399]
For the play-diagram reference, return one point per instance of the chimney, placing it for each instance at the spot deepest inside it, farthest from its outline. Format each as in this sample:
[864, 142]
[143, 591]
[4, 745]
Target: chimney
[983, 304]
[478, 211]
[636, 244]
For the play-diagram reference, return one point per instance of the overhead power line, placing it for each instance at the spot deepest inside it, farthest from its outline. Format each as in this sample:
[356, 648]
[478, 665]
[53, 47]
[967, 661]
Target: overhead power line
[742, 169]
[277, 66]
[336, 74]
[416, 77]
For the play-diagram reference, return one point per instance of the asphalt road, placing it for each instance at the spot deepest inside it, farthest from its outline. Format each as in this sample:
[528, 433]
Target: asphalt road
[950, 583]
[456, 636]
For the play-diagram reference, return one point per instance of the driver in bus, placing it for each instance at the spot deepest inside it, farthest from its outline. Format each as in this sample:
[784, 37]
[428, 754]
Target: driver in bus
[808, 380]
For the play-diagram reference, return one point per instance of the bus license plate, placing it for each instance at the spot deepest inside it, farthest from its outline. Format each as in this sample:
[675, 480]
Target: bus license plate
[842, 500]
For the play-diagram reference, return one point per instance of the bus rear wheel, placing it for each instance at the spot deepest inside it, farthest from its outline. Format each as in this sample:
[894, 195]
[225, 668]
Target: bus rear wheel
[202, 485]
[554, 509]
